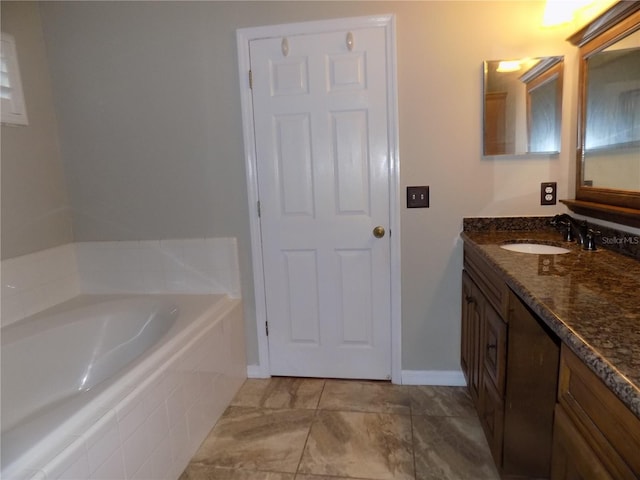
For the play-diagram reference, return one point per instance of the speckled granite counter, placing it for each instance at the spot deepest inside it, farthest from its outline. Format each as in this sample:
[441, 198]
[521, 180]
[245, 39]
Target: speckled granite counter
[591, 300]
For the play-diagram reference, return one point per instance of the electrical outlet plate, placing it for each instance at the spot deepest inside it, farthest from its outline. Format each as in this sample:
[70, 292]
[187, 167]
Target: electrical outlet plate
[418, 197]
[548, 193]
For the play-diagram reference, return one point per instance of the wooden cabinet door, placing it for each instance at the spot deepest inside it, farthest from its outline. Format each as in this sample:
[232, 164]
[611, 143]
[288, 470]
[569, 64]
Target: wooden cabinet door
[491, 413]
[573, 458]
[494, 345]
[530, 393]
[470, 338]
[610, 429]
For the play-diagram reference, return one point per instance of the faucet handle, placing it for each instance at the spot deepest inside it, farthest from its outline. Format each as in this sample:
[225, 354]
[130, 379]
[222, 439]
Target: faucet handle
[590, 239]
[583, 230]
[568, 233]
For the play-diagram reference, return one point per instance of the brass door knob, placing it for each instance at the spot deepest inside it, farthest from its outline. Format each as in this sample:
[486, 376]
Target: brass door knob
[378, 232]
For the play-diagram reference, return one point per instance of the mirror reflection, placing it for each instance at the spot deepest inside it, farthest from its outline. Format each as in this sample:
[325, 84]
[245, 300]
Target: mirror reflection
[522, 105]
[612, 117]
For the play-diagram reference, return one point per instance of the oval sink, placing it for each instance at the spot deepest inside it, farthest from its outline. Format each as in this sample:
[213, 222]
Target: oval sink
[535, 248]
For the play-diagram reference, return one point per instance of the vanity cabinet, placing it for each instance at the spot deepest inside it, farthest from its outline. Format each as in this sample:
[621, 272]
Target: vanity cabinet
[510, 363]
[483, 359]
[483, 348]
[549, 354]
[595, 435]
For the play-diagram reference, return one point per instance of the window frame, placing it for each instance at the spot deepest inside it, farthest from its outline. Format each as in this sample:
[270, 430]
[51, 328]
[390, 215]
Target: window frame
[13, 109]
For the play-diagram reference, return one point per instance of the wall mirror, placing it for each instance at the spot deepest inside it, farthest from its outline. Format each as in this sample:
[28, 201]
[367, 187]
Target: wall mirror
[522, 105]
[608, 150]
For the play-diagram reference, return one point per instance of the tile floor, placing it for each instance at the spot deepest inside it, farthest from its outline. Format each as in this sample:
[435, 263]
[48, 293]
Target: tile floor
[315, 429]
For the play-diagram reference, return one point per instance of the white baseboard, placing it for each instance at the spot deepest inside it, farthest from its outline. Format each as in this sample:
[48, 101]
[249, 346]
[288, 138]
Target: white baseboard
[452, 378]
[255, 371]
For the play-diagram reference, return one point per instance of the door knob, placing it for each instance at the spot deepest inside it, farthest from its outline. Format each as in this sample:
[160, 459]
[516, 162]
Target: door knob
[378, 232]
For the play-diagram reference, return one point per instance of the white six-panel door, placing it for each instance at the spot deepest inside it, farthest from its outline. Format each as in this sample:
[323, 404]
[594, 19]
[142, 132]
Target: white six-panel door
[322, 168]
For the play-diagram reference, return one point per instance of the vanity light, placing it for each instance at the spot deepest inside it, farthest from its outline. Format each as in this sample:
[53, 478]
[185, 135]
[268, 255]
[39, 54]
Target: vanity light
[559, 12]
[508, 66]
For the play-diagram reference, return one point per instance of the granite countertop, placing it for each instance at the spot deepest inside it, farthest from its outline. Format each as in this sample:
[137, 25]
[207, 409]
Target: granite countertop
[591, 300]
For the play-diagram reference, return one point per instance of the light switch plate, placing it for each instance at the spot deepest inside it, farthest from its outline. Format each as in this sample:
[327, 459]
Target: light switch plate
[418, 197]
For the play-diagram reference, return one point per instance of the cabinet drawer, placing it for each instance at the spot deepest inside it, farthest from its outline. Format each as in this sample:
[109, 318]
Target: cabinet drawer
[612, 430]
[493, 287]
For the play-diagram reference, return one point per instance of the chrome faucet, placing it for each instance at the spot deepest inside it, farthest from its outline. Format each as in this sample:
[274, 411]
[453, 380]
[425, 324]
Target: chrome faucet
[577, 230]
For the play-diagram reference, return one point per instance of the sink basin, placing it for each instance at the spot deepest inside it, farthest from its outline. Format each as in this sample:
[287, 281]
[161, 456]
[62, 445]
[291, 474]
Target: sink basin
[535, 248]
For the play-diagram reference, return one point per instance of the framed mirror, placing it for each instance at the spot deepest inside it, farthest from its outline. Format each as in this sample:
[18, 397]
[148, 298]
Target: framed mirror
[608, 150]
[522, 105]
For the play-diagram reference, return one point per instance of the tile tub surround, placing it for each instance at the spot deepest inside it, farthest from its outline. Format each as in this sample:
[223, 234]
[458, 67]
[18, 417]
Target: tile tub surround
[160, 422]
[589, 299]
[32, 283]
[318, 429]
[198, 265]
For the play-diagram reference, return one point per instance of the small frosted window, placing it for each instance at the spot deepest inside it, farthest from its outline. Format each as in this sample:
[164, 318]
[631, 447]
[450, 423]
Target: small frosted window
[13, 108]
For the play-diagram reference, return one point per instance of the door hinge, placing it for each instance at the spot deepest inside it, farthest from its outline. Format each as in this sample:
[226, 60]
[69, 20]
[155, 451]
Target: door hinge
[266, 328]
[259, 209]
[250, 79]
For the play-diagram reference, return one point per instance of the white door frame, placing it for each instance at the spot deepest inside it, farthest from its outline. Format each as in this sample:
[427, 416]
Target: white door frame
[243, 37]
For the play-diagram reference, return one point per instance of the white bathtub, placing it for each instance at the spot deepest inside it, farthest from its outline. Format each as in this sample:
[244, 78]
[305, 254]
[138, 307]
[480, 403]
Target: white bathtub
[117, 387]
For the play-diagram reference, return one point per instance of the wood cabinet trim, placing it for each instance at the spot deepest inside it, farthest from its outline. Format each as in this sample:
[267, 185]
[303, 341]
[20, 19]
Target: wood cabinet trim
[610, 428]
[489, 282]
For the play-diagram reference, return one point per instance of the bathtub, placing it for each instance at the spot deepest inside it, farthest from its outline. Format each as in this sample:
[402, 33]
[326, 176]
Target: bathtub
[117, 386]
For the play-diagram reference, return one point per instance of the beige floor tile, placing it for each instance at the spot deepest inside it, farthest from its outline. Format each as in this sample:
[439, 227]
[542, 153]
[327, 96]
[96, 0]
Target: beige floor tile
[452, 448]
[362, 431]
[441, 401]
[362, 445]
[359, 396]
[257, 439]
[324, 477]
[197, 471]
[280, 392]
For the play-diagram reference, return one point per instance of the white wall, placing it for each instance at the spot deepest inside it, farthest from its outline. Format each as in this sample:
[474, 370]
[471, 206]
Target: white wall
[149, 110]
[35, 206]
